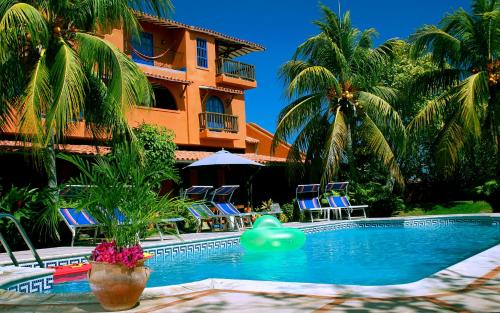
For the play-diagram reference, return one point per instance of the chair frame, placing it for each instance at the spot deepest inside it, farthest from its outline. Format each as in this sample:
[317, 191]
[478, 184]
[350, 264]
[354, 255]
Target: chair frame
[342, 187]
[311, 189]
[74, 229]
[227, 191]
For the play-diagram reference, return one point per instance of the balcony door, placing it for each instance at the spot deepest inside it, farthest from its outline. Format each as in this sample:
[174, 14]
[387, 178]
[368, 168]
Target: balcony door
[215, 105]
[144, 45]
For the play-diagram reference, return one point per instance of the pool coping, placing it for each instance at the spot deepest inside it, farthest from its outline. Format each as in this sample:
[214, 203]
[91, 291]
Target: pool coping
[455, 277]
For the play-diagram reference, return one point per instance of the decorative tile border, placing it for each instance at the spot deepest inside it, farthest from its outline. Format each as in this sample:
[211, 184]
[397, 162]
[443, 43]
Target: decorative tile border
[39, 284]
[194, 248]
[57, 262]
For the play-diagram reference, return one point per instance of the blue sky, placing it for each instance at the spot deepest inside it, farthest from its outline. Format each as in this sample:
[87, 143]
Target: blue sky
[281, 25]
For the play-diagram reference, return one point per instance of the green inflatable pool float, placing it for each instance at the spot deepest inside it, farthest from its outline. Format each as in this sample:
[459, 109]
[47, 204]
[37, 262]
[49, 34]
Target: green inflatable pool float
[268, 234]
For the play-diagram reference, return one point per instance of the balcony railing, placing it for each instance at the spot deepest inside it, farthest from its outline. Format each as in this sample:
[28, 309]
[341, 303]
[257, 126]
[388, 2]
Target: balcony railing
[218, 122]
[235, 69]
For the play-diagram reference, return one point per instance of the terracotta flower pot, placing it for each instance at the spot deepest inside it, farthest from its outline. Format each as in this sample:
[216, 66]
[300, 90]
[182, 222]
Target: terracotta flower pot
[117, 287]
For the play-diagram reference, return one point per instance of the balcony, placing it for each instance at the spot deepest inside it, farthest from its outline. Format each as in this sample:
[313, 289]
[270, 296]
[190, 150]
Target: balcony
[218, 126]
[237, 74]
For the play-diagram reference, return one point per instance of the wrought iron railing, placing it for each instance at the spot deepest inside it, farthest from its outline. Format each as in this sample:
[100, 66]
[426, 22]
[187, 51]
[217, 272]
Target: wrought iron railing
[235, 69]
[218, 122]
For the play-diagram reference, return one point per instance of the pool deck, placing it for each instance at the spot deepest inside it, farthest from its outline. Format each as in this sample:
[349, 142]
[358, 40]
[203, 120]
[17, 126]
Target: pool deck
[472, 285]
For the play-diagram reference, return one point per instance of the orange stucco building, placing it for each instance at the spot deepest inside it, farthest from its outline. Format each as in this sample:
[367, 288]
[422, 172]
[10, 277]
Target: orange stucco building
[199, 90]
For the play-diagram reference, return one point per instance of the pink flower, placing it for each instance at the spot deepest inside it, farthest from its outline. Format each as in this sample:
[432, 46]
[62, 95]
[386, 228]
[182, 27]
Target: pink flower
[108, 252]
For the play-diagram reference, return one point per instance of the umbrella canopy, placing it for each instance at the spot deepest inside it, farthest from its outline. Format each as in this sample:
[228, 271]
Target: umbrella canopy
[223, 157]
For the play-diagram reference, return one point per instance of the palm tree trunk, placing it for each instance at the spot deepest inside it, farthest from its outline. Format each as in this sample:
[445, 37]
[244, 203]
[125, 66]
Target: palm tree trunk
[349, 151]
[51, 170]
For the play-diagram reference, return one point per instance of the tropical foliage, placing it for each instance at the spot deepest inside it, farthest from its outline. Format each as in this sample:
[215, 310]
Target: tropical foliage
[338, 101]
[159, 147]
[61, 70]
[121, 194]
[465, 84]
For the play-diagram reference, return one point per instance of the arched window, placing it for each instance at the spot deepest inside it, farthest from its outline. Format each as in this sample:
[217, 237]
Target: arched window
[164, 99]
[214, 104]
[215, 121]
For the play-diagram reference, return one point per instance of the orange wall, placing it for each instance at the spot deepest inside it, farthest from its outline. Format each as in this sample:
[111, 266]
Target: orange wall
[265, 141]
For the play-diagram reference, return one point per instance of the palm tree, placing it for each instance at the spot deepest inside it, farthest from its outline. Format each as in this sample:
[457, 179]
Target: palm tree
[333, 82]
[466, 84]
[56, 69]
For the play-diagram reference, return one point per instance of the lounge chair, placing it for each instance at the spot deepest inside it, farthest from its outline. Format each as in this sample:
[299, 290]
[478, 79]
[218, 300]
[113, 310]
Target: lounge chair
[340, 187]
[200, 210]
[336, 189]
[78, 220]
[342, 203]
[221, 199]
[202, 213]
[307, 197]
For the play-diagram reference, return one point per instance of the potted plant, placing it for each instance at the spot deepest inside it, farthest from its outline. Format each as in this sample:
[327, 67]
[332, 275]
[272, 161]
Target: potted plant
[120, 194]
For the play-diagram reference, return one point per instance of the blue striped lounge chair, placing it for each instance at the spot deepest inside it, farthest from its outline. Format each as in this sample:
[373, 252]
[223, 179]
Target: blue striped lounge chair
[307, 197]
[202, 213]
[77, 220]
[200, 210]
[336, 189]
[342, 203]
[221, 200]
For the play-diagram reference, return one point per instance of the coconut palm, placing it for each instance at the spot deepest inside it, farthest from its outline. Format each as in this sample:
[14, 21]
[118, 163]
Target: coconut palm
[466, 84]
[337, 100]
[57, 69]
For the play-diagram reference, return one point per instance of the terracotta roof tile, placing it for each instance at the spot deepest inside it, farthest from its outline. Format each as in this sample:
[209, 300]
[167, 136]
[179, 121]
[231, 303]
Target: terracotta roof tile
[251, 140]
[180, 155]
[16, 146]
[184, 155]
[247, 46]
[223, 89]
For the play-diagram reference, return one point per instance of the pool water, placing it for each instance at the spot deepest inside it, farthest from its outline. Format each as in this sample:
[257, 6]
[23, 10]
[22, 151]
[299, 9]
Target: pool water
[359, 256]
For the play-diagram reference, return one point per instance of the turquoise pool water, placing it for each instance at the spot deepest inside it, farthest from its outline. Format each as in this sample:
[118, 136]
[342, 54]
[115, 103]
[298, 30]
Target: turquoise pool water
[360, 256]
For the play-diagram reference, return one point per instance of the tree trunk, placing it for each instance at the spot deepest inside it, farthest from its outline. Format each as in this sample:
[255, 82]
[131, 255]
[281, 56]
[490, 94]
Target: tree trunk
[349, 151]
[51, 170]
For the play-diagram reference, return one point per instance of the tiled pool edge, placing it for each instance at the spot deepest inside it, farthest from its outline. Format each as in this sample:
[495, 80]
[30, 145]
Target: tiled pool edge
[38, 283]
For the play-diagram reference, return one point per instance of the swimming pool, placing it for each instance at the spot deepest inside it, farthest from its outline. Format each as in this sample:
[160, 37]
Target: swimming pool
[355, 256]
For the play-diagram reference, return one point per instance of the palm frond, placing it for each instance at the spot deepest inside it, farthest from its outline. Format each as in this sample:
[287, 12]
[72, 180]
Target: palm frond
[384, 115]
[432, 112]
[473, 94]
[380, 148]
[435, 81]
[36, 101]
[449, 144]
[126, 83]
[335, 146]
[432, 39]
[16, 21]
[68, 83]
[311, 80]
[295, 116]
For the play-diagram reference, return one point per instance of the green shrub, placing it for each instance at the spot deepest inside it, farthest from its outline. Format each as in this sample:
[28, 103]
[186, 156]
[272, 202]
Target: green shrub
[381, 201]
[490, 191]
[26, 204]
[159, 148]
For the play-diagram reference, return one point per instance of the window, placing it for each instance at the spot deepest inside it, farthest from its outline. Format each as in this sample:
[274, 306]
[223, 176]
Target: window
[144, 45]
[201, 53]
[164, 99]
[214, 104]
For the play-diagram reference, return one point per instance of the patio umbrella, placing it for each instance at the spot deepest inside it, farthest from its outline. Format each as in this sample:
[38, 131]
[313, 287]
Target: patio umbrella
[223, 157]
[226, 158]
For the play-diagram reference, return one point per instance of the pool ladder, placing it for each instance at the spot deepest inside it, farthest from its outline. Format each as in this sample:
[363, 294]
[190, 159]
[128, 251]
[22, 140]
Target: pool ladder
[25, 238]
